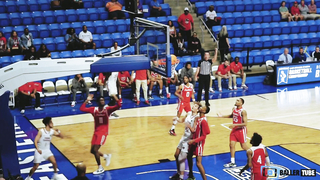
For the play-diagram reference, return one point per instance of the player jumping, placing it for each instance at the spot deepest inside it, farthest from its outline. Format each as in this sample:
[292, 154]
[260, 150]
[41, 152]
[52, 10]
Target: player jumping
[101, 122]
[184, 93]
[239, 129]
[182, 149]
[257, 157]
[42, 144]
[196, 145]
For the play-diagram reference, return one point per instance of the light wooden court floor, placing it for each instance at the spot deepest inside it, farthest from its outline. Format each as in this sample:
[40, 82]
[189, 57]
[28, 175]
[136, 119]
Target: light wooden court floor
[141, 136]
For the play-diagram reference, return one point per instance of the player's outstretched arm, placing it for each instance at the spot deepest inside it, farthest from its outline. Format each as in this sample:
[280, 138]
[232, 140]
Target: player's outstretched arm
[111, 109]
[58, 133]
[83, 107]
[225, 116]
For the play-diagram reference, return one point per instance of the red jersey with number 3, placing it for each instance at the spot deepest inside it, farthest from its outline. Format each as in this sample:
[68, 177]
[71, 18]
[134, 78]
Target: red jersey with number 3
[186, 92]
[101, 117]
[237, 116]
[258, 158]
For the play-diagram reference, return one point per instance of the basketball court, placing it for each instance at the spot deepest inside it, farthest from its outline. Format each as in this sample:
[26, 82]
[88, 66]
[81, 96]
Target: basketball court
[141, 148]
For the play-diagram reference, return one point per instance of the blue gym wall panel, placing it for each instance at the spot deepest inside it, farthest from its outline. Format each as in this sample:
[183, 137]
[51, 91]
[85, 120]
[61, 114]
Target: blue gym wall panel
[116, 64]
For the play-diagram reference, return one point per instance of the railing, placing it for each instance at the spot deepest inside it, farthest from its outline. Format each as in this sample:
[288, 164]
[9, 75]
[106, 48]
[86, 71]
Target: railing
[206, 27]
[191, 6]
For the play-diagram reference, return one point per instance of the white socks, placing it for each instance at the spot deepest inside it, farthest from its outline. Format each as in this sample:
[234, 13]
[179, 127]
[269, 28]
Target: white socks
[100, 167]
[232, 160]
[119, 96]
[167, 89]
[160, 91]
[150, 92]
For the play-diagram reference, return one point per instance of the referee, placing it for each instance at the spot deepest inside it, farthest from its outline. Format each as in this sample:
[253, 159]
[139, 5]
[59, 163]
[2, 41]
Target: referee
[204, 72]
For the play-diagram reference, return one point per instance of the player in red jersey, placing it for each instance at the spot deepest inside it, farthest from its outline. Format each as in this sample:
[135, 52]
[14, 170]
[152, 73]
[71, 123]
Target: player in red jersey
[196, 145]
[184, 93]
[239, 129]
[101, 123]
[257, 157]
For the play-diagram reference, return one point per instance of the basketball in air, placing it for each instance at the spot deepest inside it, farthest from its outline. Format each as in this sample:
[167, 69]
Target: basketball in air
[174, 59]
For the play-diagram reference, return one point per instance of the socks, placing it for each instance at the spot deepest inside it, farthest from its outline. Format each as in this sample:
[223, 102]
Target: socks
[173, 127]
[100, 167]
[160, 91]
[119, 96]
[167, 89]
[177, 87]
[150, 92]
[232, 160]
[181, 176]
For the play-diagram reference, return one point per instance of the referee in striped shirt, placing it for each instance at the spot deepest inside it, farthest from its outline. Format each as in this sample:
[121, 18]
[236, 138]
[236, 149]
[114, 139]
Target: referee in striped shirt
[204, 71]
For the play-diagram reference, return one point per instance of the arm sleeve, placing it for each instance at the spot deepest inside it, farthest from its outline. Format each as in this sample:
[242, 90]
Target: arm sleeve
[111, 109]
[83, 108]
[204, 133]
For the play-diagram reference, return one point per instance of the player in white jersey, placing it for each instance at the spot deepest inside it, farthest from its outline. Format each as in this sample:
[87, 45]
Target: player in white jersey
[182, 149]
[42, 144]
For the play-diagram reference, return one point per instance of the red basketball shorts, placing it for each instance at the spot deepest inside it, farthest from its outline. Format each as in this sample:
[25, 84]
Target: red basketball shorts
[196, 149]
[99, 138]
[239, 135]
[183, 106]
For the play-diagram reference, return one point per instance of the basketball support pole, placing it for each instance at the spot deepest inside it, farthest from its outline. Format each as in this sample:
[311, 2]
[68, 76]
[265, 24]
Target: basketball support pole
[8, 147]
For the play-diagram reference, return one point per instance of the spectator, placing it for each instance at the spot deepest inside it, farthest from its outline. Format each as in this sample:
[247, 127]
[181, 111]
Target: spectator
[224, 45]
[224, 73]
[102, 82]
[3, 45]
[142, 77]
[181, 49]
[187, 71]
[316, 54]
[115, 10]
[14, 44]
[300, 56]
[154, 80]
[204, 71]
[156, 10]
[85, 37]
[32, 54]
[55, 4]
[72, 39]
[115, 47]
[172, 31]
[81, 170]
[284, 11]
[139, 7]
[304, 10]
[211, 17]
[26, 40]
[71, 4]
[25, 93]
[194, 44]
[295, 11]
[313, 8]
[237, 71]
[285, 58]
[44, 52]
[78, 84]
[186, 24]
[126, 81]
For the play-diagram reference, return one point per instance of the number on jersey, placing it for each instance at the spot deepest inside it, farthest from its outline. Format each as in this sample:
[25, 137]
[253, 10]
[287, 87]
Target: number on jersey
[187, 94]
[259, 160]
